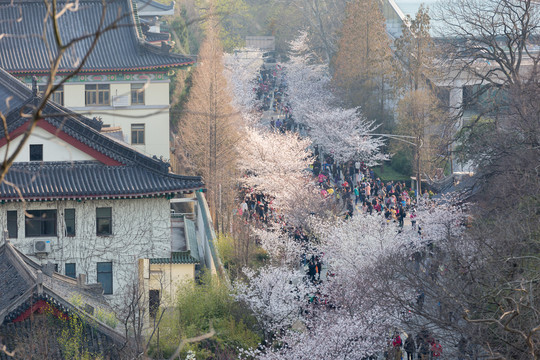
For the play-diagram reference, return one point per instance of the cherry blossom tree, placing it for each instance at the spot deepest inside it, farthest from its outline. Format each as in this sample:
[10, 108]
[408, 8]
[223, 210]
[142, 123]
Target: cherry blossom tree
[276, 296]
[282, 249]
[241, 71]
[345, 133]
[334, 334]
[353, 314]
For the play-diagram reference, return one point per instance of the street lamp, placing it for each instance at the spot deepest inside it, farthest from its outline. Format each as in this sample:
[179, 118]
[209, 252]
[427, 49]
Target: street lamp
[418, 145]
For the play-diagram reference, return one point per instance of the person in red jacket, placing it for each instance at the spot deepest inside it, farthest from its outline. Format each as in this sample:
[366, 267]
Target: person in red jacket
[396, 343]
[436, 349]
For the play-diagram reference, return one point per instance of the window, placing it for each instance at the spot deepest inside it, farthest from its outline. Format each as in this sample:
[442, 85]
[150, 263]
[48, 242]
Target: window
[104, 276]
[137, 134]
[104, 221]
[57, 96]
[71, 270]
[97, 94]
[13, 230]
[36, 152]
[69, 219]
[153, 302]
[40, 223]
[137, 94]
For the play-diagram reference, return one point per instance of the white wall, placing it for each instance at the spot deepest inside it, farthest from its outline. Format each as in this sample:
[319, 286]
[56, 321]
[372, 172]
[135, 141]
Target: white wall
[141, 229]
[154, 114]
[54, 149]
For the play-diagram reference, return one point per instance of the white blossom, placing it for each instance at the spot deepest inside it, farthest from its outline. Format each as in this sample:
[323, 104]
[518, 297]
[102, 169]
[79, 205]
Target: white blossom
[276, 295]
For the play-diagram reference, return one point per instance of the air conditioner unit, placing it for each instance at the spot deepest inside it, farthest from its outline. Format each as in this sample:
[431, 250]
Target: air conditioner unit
[42, 246]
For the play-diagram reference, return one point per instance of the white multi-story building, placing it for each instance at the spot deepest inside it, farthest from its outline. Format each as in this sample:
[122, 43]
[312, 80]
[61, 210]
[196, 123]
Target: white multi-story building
[87, 203]
[124, 80]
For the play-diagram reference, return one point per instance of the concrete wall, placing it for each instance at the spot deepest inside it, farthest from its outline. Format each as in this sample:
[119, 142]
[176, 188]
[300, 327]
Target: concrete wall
[154, 114]
[167, 278]
[54, 149]
[141, 229]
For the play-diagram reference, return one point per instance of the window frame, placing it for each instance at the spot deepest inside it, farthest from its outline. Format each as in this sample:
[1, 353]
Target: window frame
[154, 301]
[57, 96]
[100, 218]
[138, 93]
[11, 222]
[139, 132]
[38, 217]
[108, 273]
[97, 94]
[33, 156]
[70, 272]
[74, 232]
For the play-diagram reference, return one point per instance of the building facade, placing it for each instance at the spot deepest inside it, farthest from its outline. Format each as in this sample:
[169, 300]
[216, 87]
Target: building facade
[80, 200]
[122, 80]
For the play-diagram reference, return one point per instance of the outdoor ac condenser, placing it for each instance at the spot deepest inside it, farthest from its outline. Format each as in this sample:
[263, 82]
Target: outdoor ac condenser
[42, 246]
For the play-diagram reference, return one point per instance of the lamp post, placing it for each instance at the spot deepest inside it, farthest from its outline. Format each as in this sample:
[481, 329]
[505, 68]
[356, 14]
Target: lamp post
[418, 144]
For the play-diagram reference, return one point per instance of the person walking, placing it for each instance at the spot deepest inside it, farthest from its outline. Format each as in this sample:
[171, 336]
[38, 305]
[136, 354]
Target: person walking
[410, 347]
[312, 269]
[401, 215]
[396, 344]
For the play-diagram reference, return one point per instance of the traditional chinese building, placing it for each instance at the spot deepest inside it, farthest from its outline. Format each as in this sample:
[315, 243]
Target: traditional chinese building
[124, 79]
[92, 205]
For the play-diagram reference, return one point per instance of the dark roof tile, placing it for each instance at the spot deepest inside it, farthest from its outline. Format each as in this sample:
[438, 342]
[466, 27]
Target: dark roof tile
[90, 179]
[23, 51]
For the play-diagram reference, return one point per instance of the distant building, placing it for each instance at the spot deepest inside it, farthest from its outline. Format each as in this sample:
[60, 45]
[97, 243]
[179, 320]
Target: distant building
[150, 8]
[124, 80]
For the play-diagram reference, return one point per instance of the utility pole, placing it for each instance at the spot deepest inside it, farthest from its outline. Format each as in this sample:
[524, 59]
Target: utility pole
[418, 179]
[418, 145]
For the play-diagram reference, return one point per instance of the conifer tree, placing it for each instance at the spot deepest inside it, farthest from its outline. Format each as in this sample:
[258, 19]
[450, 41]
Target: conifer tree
[208, 130]
[363, 63]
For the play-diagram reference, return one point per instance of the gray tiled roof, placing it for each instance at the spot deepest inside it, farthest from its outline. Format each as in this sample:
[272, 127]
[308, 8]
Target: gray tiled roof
[24, 283]
[90, 179]
[23, 51]
[13, 283]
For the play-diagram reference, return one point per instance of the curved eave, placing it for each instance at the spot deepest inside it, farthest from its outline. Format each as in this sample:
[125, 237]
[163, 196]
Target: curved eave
[84, 71]
[98, 197]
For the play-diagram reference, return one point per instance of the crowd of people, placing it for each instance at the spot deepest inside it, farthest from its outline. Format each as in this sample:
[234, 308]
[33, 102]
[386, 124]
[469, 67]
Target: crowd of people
[424, 346]
[355, 188]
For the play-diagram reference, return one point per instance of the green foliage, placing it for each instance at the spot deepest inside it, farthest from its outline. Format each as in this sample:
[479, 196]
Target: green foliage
[181, 83]
[387, 173]
[402, 162]
[106, 317]
[233, 18]
[260, 257]
[72, 341]
[226, 249]
[196, 305]
[185, 41]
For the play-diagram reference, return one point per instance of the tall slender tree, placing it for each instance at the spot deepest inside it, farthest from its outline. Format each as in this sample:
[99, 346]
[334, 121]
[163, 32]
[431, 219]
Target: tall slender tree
[363, 62]
[419, 112]
[209, 129]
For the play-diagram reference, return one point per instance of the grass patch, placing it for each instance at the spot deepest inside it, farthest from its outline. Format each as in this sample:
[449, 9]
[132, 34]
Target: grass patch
[389, 174]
